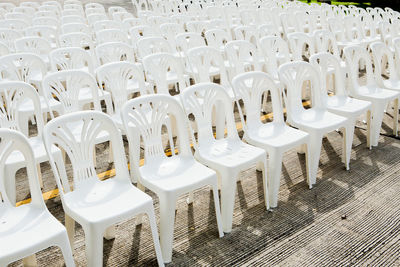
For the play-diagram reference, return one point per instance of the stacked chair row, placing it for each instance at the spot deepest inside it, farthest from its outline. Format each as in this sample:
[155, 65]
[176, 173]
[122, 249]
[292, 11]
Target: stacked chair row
[173, 71]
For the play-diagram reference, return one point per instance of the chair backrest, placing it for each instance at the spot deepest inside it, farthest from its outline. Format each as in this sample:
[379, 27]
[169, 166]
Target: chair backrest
[242, 55]
[36, 45]
[357, 56]
[22, 67]
[141, 31]
[301, 44]
[15, 95]
[217, 38]
[8, 36]
[14, 24]
[247, 33]
[4, 50]
[114, 77]
[76, 134]
[159, 66]
[147, 115]
[185, 41]
[329, 65]
[293, 76]
[65, 87]
[276, 52]
[68, 58]
[10, 142]
[47, 32]
[196, 26]
[72, 19]
[204, 60]
[169, 31]
[200, 100]
[76, 39]
[111, 35]
[381, 54]
[96, 17]
[112, 52]
[325, 42]
[106, 25]
[151, 45]
[76, 27]
[46, 21]
[252, 87]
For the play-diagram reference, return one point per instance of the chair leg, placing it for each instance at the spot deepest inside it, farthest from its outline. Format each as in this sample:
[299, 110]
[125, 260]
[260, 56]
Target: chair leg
[30, 261]
[110, 153]
[40, 176]
[377, 117]
[314, 152]
[190, 198]
[70, 226]
[228, 191]
[167, 221]
[396, 117]
[369, 131]
[94, 247]
[9, 183]
[347, 144]
[266, 186]
[217, 209]
[67, 252]
[154, 232]
[274, 173]
[110, 232]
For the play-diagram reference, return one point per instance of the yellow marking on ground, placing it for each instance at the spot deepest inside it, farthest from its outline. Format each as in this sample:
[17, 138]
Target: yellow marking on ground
[110, 173]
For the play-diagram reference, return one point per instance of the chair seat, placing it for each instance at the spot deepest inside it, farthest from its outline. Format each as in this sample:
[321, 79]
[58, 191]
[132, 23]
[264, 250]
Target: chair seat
[343, 105]
[392, 84]
[38, 149]
[176, 174]
[276, 135]
[228, 153]
[318, 120]
[93, 197]
[27, 223]
[375, 93]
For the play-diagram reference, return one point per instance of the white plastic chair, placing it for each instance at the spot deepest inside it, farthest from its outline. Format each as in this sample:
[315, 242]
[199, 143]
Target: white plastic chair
[228, 156]
[384, 63]
[4, 50]
[14, 24]
[29, 228]
[339, 102]
[47, 32]
[90, 197]
[141, 31]
[25, 67]
[46, 21]
[151, 45]
[76, 27]
[106, 25]
[68, 58]
[19, 102]
[301, 45]
[317, 120]
[72, 19]
[111, 35]
[8, 37]
[37, 45]
[276, 52]
[206, 63]
[217, 38]
[168, 177]
[370, 91]
[242, 56]
[96, 17]
[112, 52]
[164, 70]
[275, 137]
[74, 89]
